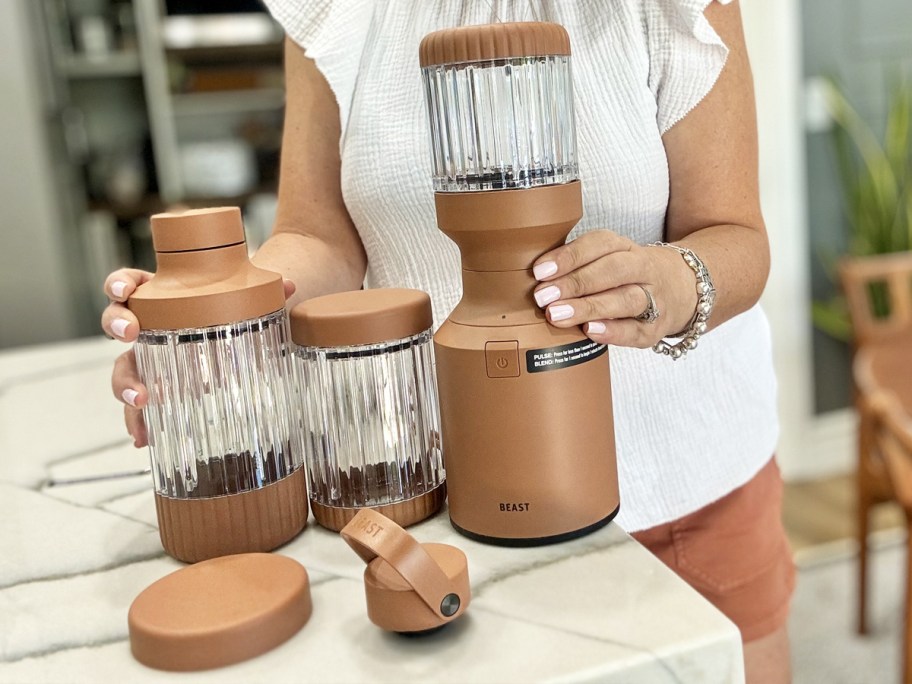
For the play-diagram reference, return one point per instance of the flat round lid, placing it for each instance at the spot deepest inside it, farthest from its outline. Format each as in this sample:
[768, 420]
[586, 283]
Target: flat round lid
[486, 42]
[361, 317]
[220, 611]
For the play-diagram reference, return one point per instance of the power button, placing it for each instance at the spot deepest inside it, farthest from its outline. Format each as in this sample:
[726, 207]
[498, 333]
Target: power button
[502, 359]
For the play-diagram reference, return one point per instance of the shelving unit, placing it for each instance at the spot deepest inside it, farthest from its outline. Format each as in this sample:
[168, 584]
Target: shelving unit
[234, 102]
[122, 63]
[140, 95]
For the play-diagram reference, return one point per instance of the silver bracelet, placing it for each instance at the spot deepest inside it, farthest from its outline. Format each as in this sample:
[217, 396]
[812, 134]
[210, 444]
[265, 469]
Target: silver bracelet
[706, 294]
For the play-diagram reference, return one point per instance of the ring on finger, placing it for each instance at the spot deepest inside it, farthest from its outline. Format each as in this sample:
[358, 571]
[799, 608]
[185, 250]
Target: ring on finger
[651, 313]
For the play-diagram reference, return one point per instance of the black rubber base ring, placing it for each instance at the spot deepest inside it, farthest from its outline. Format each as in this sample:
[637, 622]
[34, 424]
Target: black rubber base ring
[536, 541]
[423, 632]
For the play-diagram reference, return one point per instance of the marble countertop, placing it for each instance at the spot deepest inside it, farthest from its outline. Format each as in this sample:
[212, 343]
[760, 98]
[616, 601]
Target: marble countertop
[73, 556]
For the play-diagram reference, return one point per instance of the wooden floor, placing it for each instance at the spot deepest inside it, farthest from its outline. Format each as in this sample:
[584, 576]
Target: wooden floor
[823, 511]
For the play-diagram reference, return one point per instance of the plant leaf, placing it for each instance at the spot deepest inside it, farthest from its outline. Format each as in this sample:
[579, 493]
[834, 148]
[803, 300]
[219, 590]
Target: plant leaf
[898, 131]
[832, 317]
[875, 179]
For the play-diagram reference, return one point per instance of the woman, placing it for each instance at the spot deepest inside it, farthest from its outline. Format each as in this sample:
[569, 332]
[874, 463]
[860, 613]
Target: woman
[668, 152]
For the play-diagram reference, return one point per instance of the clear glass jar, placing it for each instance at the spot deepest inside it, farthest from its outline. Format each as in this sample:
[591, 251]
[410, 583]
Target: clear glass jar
[371, 416]
[219, 417]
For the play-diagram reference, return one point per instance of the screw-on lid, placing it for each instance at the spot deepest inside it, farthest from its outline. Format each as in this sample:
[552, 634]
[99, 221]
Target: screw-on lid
[361, 317]
[220, 611]
[410, 587]
[204, 276]
[493, 41]
[197, 229]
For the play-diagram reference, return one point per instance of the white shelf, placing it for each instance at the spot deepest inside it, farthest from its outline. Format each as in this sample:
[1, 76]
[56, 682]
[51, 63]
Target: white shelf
[228, 102]
[219, 30]
[102, 66]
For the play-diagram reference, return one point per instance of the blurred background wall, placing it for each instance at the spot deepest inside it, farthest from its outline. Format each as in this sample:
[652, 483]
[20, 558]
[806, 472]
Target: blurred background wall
[797, 48]
[117, 109]
[37, 302]
[867, 48]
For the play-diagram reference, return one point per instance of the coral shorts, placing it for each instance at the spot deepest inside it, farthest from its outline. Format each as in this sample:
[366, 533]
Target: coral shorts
[734, 551]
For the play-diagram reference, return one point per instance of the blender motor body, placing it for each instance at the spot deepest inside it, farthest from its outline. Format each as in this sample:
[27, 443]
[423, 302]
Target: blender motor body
[526, 420]
[525, 407]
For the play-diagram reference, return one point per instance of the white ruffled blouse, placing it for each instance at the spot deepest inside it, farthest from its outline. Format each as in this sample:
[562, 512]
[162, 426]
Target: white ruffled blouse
[688, 432]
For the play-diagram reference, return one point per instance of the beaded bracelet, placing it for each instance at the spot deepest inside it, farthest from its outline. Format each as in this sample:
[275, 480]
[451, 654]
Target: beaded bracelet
[706, 298]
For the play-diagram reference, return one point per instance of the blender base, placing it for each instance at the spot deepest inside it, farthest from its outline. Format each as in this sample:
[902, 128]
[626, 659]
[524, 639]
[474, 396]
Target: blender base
[536, 541]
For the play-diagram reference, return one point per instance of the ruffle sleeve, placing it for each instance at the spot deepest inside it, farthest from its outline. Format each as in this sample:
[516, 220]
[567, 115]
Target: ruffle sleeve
[686, 56]
[333, 34]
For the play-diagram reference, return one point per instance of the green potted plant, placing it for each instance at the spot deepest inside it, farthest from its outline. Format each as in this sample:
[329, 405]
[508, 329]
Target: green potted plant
[876, 178]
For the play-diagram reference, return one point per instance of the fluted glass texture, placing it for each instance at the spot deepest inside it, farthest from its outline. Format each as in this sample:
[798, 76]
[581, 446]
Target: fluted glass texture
[372, 432]
[501, 124]
[220, 413]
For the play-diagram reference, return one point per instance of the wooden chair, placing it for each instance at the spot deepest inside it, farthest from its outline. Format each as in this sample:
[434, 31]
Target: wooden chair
[893, 438]
[879, 294]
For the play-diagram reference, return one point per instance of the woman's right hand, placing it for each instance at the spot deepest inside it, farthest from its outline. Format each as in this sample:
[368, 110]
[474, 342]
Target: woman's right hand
[119, 323]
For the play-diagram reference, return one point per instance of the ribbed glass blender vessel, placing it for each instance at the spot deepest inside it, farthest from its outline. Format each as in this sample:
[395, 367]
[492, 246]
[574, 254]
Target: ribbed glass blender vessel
[214, 354]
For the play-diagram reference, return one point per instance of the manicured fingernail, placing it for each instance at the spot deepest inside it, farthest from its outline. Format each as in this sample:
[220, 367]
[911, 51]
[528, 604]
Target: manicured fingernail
[118, 287]
[119, 326]
[561, 312]
[545, 269]
[595, 328]
[129, 396]
[547, 295]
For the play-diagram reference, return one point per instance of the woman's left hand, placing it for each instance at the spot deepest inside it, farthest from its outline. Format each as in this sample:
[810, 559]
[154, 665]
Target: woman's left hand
[598, 281]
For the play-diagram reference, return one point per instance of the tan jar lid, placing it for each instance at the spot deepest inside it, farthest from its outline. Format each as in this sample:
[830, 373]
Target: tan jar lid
[361, 317]
[493, 41]
[203, 276]
[220, 611]
[196, 229]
